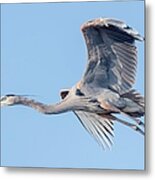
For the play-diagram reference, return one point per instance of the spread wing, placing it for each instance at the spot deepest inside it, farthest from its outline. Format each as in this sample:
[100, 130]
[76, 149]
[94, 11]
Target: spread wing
[112, 54]
[100, 128]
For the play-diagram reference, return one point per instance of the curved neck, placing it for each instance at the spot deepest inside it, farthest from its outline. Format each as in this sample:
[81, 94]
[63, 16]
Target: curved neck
[61, 107]
[68, 104]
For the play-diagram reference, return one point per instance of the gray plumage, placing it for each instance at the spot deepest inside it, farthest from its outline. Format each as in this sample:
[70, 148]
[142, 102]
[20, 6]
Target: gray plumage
[105, 89]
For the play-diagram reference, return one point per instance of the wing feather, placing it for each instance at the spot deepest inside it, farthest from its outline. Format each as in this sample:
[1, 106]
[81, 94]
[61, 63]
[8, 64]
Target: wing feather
[100, 128]
[112, 54]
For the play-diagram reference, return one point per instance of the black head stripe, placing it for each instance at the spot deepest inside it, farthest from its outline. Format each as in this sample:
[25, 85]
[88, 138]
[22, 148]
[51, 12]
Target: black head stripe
[9, 95]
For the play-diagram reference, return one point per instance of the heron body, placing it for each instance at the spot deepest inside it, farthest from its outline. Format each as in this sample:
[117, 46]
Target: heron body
[105, 89]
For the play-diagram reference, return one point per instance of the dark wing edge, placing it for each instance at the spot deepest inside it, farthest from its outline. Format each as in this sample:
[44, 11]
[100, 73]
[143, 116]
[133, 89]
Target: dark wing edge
[124, 27]
[112, 54]
[101, 129]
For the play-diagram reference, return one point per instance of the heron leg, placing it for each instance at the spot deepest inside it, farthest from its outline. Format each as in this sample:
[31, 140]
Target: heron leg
[138, 121]
[133, 126]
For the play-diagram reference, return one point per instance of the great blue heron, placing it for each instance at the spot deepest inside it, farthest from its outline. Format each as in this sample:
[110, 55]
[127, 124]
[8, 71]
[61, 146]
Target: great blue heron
[106, 87]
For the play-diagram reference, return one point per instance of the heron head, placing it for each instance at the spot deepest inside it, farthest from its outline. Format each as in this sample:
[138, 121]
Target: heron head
[8, 100]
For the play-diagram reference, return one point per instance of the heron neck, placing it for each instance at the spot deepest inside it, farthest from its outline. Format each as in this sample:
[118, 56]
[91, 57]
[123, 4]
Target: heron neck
[44, 108]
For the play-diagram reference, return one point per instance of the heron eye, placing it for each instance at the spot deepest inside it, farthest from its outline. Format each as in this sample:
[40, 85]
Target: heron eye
[79, 93]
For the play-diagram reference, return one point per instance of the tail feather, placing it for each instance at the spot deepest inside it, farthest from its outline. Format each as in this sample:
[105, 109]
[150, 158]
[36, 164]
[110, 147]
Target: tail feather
[135, 96]
[138, 99]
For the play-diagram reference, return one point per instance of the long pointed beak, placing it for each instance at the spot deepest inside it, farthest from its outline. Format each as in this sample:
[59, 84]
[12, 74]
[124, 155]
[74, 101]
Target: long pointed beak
[2, 101]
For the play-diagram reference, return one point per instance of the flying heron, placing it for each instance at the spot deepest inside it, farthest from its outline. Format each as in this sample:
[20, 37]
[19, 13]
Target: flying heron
[105, 89]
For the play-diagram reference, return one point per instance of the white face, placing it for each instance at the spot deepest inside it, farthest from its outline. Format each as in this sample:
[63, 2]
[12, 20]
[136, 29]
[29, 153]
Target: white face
[7, 101]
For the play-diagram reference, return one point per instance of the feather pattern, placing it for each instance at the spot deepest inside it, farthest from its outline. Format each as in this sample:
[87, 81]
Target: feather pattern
[100, 128]
[112, 54]
[135, 96]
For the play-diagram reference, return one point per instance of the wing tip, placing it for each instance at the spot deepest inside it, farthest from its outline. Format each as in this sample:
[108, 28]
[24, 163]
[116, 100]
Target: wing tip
[106, 22]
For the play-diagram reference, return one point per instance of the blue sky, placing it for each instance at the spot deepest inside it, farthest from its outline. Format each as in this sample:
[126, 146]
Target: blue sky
[43, 51]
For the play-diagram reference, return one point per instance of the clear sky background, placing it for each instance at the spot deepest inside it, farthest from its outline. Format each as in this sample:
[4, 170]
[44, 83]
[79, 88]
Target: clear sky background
[43, 51]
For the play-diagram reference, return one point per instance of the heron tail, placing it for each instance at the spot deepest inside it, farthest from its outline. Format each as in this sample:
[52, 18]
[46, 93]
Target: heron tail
[138, 99]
